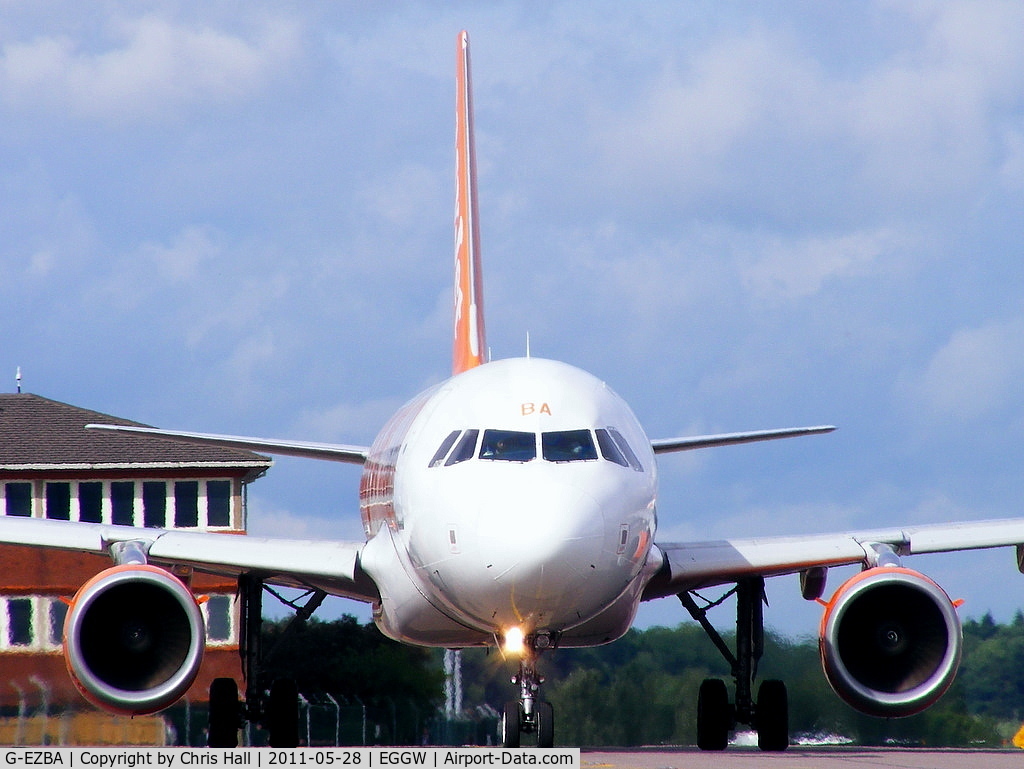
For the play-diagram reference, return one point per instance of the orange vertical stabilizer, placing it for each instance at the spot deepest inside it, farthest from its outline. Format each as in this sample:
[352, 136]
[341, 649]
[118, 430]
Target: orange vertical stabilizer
[470, 347]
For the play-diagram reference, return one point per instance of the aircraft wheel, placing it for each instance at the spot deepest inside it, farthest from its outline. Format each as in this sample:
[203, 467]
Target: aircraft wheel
[544, 713]
[282, 714]
[224, 714]
[772, 716]
[713, 717]
[511, 725]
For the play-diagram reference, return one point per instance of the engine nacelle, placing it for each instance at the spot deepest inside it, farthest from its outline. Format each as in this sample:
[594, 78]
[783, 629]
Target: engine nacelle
[134, 639]
[890, 642]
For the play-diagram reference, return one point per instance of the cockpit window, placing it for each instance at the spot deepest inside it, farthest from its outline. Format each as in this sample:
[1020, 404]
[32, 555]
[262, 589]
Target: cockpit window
[609, 450]
[627, 452]
[508, 445]
[516, 446]
[464, 449]
[568, 446]
[442, 450]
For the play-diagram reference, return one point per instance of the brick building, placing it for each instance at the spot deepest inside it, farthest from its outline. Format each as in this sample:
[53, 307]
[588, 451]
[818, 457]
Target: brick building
[52, 467]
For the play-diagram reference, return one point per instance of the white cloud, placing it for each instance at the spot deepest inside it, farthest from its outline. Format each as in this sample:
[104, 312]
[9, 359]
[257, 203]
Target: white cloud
[779, 270]
[938, 507]
[47, 235]
[346, 422]
[150, 66]
[977, 372]
[922, 119]
[753, 116]
[752, 519]
[401, 197]
[268, 519]
[181, 261]
[693, 116]
[248, 359]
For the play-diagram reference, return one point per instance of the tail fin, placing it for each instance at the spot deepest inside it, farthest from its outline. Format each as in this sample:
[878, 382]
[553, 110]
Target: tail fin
[470, 347]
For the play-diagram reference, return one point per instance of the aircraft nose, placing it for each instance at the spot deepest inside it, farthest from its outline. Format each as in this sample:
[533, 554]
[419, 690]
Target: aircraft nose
[526, 526]
[540, 555]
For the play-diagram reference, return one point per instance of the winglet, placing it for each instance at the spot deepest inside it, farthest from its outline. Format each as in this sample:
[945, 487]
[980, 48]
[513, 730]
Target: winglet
[470, 347]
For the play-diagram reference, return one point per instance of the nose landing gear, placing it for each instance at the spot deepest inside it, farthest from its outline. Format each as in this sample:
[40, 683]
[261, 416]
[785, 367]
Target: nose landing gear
[530, 714]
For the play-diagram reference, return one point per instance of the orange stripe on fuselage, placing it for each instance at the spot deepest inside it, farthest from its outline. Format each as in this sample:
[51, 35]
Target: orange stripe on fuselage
[469, 348]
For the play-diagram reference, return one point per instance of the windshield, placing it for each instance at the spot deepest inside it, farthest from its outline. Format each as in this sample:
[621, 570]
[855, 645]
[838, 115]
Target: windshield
[508, 445]
[568, 446]
[443, 449]
[464, 449]
[580, 445]
[627, 452]
[609, 450]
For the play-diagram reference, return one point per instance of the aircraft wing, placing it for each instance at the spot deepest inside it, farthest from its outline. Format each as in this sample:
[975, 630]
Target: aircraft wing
[665, 445]
[690, 565]
[331, 566]
[306, 450]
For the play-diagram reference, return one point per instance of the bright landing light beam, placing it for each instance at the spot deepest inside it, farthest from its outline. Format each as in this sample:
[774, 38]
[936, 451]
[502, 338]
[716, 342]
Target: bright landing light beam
[513, 641]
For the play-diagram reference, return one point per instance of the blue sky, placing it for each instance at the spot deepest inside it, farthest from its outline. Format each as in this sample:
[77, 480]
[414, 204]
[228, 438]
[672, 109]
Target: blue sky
[237, 217]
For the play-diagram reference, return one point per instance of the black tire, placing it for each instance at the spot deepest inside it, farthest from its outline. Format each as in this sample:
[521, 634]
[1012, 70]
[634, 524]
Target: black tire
[224, 714]
[713, 716]
[511, 725]
[772, 716]
[544, 713]
[282, 714]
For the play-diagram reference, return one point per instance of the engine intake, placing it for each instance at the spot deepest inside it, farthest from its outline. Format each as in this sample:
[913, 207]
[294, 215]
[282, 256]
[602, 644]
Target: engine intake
[890, 642]
[134, 639]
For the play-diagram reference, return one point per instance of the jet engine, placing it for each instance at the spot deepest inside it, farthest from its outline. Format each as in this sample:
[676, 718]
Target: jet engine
[134, 639]
[890, 641]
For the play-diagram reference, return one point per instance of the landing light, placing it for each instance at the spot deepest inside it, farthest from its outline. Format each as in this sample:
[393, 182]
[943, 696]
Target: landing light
[513, 641]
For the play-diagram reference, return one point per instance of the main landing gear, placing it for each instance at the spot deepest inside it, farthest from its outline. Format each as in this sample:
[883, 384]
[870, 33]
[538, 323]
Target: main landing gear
[529, 714]
[716, 717]
[276, 709]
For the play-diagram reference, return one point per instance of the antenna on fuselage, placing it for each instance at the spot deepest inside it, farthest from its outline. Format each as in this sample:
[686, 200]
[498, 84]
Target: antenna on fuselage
[527, 344]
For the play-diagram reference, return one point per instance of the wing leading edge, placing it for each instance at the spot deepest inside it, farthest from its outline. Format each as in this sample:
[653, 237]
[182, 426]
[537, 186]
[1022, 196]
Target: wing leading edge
[691, 565]
[331, 566]
[666, 445]
[329, 451]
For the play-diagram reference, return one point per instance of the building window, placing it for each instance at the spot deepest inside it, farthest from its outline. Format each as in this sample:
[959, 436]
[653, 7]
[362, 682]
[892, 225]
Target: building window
[154, 504]
[90, 501]
[219, 619]
[56, 614]
[58, 501]
[218, 503]
[122, 503]
[151, 503]
[186, 504]
[18, 616]
[19, 622]
[18, 499]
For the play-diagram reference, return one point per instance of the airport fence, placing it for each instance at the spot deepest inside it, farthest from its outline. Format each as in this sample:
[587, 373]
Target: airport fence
[324, 720]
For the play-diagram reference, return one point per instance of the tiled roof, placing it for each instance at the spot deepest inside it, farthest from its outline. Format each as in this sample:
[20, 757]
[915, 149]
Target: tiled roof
[37, 432]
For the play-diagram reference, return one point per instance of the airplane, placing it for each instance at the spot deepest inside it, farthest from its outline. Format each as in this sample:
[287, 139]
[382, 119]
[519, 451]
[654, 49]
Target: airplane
[513, 505]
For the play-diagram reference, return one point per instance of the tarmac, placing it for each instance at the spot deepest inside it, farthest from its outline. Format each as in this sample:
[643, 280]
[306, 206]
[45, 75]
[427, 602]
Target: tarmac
[800, 758]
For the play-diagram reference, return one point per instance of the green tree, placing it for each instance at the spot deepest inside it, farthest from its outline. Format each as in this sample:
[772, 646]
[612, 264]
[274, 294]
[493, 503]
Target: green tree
[642, 689]
[357, 664]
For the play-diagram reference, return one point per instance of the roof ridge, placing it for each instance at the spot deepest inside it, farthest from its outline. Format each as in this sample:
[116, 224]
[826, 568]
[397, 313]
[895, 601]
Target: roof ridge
[77, 409]
[35, 430]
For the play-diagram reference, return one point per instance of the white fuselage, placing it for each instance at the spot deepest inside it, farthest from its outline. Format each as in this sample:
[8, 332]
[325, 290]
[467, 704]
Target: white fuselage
[519, 494]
